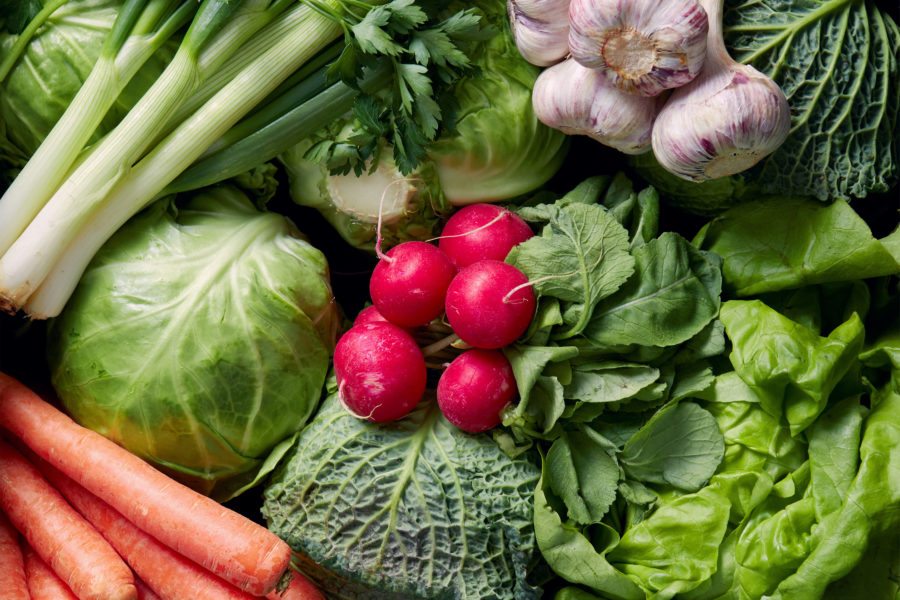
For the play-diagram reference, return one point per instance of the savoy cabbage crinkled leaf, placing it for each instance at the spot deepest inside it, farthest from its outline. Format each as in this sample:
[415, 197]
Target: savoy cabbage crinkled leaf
[836, 61]
[411, 509]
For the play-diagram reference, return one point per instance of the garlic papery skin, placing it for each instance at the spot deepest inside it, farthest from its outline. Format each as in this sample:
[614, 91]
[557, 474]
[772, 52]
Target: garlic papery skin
[723, 122]
[581, 101]
[644, 46]
[540, 29]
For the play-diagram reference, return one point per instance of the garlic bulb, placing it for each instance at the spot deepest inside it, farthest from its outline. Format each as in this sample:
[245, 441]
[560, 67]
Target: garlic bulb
[540, 29]
[724, 121]
[643, 46]
[572, 98]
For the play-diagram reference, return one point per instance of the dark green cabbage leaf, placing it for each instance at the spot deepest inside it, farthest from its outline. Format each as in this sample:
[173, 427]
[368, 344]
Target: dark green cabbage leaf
[411, 509]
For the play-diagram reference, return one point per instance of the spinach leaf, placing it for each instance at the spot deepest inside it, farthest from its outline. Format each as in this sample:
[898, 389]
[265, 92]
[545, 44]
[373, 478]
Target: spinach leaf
[582, 470]
[673, 294]
[415, 508]
[679, 446]
[580, 258]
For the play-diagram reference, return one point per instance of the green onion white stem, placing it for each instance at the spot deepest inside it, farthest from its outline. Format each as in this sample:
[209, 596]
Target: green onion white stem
[218, 31]
[169, 158]
[138, 32]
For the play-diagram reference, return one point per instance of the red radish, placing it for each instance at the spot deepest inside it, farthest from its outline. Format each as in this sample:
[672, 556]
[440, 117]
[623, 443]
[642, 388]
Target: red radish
[473, 390]
[409, 283]
[380, 371]
[481, 231]
[369, 314]
[489, 304]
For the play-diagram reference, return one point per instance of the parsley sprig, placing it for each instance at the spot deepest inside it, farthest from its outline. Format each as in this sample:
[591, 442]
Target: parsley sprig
[424, 49]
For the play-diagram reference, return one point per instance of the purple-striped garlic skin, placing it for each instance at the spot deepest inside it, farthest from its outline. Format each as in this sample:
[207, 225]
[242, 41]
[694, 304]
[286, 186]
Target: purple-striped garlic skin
[643, 46]
[540, 29]
[581, 101]
[724, 121]
[721, 124]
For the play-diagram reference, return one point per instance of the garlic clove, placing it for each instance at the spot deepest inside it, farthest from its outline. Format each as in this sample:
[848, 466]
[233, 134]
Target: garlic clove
[644, 46]
[723, 122]
[581, 101]
[540, 29]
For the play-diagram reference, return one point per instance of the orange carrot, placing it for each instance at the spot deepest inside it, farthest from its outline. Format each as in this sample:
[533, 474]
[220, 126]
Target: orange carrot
[234, 547]
[170, 575]
[300, 588]
[144, 592]
[75, 551]
[43, 583]
[12, 573]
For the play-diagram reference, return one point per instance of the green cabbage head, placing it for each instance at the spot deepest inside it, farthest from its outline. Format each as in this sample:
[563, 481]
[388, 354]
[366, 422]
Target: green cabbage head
[199, 338]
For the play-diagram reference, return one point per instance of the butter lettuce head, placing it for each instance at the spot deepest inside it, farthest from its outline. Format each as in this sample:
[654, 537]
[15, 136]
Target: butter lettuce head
[199, 339]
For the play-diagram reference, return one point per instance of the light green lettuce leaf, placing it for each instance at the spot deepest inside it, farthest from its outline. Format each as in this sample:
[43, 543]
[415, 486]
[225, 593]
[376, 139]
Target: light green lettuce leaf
[871, 508]
[676, 548]
[786, 243]
[792, 369]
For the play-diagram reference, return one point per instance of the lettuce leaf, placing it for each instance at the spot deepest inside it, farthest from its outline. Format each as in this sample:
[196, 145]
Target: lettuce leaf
[785, 243]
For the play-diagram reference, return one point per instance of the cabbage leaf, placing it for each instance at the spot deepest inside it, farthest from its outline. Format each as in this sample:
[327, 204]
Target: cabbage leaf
[199, 338]
[412, 509]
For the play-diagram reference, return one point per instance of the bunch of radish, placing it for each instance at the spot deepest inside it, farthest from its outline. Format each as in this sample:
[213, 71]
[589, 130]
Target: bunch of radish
[381, 369]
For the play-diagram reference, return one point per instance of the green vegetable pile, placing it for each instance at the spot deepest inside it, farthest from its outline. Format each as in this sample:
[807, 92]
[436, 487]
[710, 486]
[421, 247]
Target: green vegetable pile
[708, 395]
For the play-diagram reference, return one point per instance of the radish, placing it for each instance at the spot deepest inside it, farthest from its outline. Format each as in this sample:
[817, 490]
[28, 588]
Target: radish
[369, 314]
[409, 283]
[380, 371]
[481, 231]
[473, 390]
[489, 304]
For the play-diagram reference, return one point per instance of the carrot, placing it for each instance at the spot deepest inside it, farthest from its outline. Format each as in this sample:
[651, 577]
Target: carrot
[170, 575]
[144, 592]
[12, 573]
[43, 583]
[300, 588]
[75, 551]
[234, 547]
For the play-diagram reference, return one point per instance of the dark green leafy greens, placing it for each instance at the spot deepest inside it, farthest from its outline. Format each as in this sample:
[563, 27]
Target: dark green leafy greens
[837, 62]
[424, 51]
[619, 307]
[415, 509]
[756, 459]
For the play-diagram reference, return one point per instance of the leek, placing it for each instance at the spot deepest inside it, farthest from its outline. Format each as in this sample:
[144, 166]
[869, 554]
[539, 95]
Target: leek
[248, 79]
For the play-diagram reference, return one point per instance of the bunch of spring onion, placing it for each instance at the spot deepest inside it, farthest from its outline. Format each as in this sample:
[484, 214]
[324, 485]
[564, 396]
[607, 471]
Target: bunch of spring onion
[249, 78]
